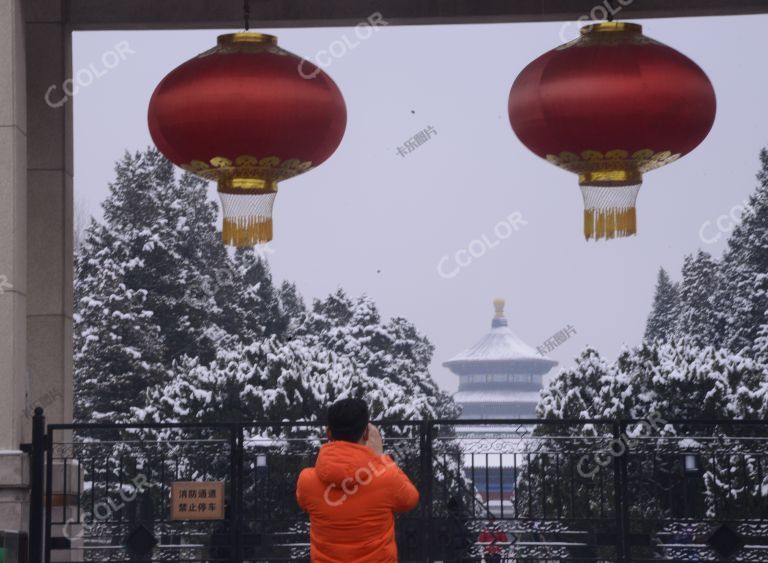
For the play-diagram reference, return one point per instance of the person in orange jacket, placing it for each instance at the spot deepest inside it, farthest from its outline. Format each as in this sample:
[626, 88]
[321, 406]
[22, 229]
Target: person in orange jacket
[353, 491]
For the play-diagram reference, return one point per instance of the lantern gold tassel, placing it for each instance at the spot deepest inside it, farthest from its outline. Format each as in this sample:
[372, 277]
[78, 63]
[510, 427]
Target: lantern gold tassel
[609, 223]
[247, 231]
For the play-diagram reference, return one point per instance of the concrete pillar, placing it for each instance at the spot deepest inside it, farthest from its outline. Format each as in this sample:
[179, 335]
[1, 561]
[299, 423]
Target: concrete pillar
[49, 223]
[13, 266]
[49, 212]
[35, 238]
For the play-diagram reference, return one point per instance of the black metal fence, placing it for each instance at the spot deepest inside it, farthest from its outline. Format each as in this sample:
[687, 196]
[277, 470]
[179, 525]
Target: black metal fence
[514, 490]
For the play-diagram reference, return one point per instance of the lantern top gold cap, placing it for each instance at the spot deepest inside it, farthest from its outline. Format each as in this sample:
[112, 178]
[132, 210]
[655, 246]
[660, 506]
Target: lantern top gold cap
[247, 37]
[612, 27]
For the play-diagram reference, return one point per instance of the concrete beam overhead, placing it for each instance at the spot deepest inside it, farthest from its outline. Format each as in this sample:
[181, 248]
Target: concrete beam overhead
[220, 14]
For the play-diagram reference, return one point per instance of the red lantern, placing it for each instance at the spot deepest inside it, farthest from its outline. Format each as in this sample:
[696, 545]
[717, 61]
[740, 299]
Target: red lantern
[247, 114]
[610, 106]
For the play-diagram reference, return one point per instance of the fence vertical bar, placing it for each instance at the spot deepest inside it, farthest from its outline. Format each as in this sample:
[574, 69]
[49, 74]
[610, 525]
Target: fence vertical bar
[235, 444]
[620, 494]
[48, 495]
[240, 490]
[625, 501]
[426, 486]
[37, 479]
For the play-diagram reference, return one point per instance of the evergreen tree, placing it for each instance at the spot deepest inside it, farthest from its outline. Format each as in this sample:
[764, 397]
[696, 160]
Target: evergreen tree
[260, 300]
[696, 316]
[760, 347]
[680, 380]
[744, 291]
[406, 358]
[392, 352]
[676, 380]
[573, 393]
[166, 227]
[293, 306]
[274, 380]
[657, 381]
[344, 351]
[661, 322]
[117, 343]
[158, 260]
[231, 387]
[760, 352]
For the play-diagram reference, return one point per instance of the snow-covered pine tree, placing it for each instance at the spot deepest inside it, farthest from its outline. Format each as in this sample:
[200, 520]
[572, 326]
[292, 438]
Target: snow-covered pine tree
[328, 314]
[661, 322]
[760, 348]
[679, 380]
[674, 380]
[159, 243]
[265, 380]
[407, 356]
[260, 301]
[293, 306]
[230, 387]
[743, 295]
[662, 381]
[760, 353]
[118, 346]
[573, 393]
[167, 229]
[696, 316]
[344, 351]
[393, 353]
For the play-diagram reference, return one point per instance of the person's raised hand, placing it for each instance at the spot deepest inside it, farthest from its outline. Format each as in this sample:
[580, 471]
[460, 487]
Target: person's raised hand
[374, 440]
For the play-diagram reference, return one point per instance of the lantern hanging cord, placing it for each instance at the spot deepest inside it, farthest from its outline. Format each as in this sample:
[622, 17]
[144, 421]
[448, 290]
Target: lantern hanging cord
[610, 10]
[247, 14]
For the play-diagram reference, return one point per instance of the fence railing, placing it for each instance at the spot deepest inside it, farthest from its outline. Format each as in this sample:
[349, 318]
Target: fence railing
[493, 490]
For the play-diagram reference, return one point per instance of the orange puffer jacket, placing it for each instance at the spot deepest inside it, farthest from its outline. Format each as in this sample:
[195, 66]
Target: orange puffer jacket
[351, 495]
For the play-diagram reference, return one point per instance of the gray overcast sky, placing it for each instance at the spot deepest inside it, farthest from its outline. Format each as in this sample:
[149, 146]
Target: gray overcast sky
[374, 222]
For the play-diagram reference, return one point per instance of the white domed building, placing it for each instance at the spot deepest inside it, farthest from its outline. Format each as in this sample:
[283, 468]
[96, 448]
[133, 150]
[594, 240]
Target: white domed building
[500, 376]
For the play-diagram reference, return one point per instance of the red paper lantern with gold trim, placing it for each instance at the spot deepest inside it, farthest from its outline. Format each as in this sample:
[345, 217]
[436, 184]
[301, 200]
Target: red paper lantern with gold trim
[247, 114]
[610, 106]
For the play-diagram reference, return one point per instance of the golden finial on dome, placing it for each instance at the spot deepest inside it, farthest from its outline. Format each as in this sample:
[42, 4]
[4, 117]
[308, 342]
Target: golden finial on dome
[498, 304]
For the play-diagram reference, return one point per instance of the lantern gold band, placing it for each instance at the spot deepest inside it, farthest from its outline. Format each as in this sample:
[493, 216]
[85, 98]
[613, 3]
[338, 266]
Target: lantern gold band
[615, 167]
[246, 37]
[610, 178]
[245, 42]
[611, 27]
[238, 185]
[609, 34]
[248, 172]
